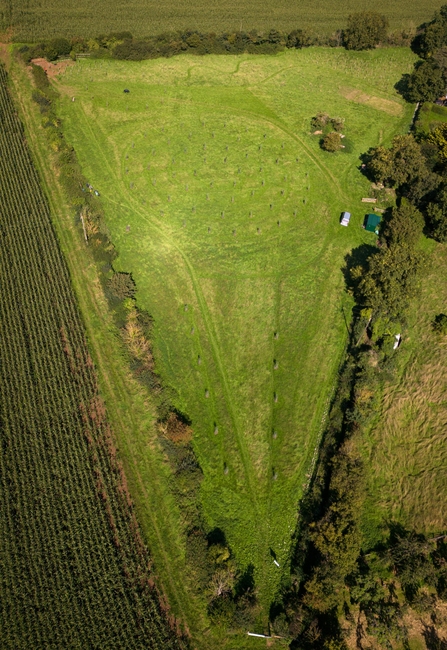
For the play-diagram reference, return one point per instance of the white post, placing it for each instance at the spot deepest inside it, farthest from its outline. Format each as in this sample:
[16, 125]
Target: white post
[83, 228]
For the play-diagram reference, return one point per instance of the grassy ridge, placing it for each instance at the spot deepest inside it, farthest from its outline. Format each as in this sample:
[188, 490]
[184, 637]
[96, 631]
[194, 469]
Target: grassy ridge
[181, 162]
[34, 20]
[75, 572]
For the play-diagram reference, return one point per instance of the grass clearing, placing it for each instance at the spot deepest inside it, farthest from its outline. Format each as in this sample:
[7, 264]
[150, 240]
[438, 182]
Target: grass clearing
[33, 20]
[226, 211]
[406, 452]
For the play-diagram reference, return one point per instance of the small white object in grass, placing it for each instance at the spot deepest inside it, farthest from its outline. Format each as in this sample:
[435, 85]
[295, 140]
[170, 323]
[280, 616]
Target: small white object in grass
[216, 430]
[275, 435]
[199, 360]
[275, 365]
[275, 397]
[275, 335]
[274, 561]
[207, 393]
[226, 470]
[186, 307]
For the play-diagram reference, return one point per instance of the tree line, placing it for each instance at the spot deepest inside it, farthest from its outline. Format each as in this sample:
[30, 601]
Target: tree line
[364, 30]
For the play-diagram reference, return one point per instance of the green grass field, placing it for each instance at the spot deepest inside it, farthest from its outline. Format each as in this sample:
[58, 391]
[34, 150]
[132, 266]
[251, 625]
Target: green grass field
[34, 20]
[224, 208]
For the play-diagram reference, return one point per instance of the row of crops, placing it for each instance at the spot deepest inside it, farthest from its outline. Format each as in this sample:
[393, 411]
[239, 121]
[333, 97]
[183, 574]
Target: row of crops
[74, 571]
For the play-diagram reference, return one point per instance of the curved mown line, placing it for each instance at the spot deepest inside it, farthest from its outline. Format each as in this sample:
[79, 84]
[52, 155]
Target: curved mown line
[206, 319]
[282, 127]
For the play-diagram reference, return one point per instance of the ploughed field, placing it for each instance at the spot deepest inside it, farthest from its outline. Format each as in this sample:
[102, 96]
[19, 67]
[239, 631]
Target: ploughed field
[31, 20]
[226, 211]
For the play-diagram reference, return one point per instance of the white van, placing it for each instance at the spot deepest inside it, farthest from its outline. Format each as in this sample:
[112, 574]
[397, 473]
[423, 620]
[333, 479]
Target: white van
[345, 217]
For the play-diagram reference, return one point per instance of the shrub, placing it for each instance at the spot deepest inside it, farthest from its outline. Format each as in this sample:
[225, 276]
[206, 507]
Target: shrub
[440, 324]
[319, 121]
[331, 142]
[365, 30]
[122, 285]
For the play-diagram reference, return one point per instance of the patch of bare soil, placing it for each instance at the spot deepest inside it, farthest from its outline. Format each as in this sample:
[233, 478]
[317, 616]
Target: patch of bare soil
[53, 69]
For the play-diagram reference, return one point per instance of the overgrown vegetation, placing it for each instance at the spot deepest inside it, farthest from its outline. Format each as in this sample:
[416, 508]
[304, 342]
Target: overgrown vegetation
[335, 586]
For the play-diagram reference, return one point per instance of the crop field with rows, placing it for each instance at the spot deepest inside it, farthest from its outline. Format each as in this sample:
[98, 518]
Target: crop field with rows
[226, 211]
[74, 571]
[31, 20]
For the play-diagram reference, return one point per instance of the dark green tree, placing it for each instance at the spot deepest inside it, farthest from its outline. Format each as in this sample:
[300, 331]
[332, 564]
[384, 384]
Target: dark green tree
[400, 164]
[331, 142]
[426, 83]
[365, 30]
[434, 35]
[405, 226]
[389, 281]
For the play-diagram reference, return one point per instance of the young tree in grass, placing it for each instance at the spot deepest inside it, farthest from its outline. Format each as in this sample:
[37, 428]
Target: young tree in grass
[365, 30]
[331, 142]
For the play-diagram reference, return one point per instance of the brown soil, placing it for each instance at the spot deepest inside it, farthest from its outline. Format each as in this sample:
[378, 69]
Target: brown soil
[52, 69]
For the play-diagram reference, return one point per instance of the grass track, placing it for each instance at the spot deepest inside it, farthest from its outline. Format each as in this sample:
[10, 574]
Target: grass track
[241, 277]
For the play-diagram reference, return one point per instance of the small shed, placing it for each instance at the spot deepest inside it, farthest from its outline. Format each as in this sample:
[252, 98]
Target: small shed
[372, 223]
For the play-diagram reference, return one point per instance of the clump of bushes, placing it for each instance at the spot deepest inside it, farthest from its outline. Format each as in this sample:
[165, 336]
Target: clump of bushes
[122, 285]
[330, 128]
[323, 121]
[440, 324]
[331, 142]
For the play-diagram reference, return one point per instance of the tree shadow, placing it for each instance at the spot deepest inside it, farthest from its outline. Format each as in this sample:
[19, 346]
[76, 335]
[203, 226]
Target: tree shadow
[246, 582]
[402, 86]
[357, 257]
[216, 537]
[432, 639]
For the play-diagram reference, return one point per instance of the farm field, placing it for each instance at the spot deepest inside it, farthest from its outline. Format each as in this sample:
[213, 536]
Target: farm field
[225, 210]
[75, 572]
[32, 20]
